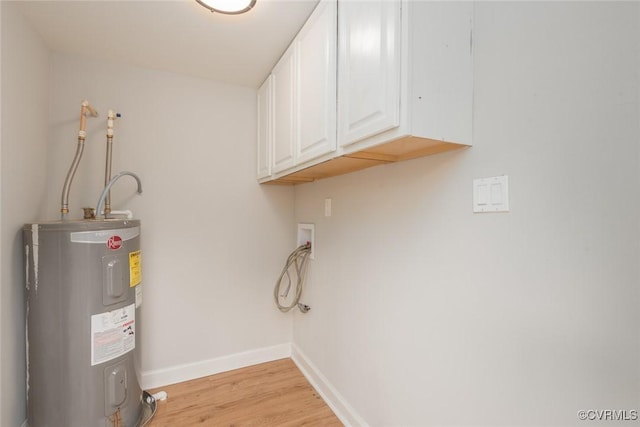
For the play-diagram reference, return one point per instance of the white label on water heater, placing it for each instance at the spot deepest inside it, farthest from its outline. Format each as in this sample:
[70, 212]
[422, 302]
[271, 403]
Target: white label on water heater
[103, 236]
[113, 334]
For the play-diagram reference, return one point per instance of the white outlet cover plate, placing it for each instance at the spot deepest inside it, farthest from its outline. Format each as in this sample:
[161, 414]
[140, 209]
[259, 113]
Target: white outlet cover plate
[327, 207]
[491, 194]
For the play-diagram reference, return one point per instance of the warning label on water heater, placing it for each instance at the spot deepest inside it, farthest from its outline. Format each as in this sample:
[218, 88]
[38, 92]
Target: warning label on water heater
[112, 334]
[135, 269]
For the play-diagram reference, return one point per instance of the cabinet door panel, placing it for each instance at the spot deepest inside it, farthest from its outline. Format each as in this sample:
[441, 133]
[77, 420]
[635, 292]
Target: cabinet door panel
[368, 68]
[317, 83]
[284, 107]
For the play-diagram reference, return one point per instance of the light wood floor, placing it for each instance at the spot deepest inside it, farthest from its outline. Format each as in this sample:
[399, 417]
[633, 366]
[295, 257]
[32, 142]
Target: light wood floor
[270, 394]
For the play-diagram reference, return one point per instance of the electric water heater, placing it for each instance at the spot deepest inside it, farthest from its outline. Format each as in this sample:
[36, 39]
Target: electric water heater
[83, 297]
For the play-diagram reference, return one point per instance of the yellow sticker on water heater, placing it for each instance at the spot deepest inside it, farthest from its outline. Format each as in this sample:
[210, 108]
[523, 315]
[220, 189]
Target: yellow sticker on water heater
[135, 269]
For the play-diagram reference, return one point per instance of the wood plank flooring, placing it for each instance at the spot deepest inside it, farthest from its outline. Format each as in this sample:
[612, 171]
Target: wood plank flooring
[270, 394]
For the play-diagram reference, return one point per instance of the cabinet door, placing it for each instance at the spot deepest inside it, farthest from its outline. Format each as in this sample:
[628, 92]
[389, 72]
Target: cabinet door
[265, 138]
[284, 120]
[317, 83]
[368, 68]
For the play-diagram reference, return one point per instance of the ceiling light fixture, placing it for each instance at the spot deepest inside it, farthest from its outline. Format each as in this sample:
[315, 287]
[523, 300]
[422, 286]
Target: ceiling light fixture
[228, 7]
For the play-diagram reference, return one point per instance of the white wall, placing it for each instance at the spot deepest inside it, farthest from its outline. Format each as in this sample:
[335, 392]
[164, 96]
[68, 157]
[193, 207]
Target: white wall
[23, 154]
[425, 314]
[213, 240]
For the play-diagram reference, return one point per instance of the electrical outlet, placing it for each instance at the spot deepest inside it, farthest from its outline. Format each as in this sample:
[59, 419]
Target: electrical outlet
[307, 233]
[327, 207]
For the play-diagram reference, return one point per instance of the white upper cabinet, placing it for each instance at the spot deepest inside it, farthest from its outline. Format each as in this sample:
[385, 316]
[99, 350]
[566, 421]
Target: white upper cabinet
[265, 136]
[303, 106]
[404, 70]
[317, 84]
[368, 68]
[284, 104]
[396, 84]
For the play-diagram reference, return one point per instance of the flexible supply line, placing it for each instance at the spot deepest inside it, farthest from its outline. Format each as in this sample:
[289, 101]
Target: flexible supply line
[296, 263]
[111, 116]
[107, 188]
[85, 109]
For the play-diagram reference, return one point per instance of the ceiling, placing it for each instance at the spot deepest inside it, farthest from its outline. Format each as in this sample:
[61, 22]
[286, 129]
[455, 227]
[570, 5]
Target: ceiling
[178, 36]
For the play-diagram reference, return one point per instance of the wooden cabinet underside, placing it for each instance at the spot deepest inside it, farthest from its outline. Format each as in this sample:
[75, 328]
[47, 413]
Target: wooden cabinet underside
[395, 151]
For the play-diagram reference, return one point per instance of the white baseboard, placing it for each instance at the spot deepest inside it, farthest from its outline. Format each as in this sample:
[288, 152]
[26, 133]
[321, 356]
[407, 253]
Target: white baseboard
[347, 415]
[190, 371]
